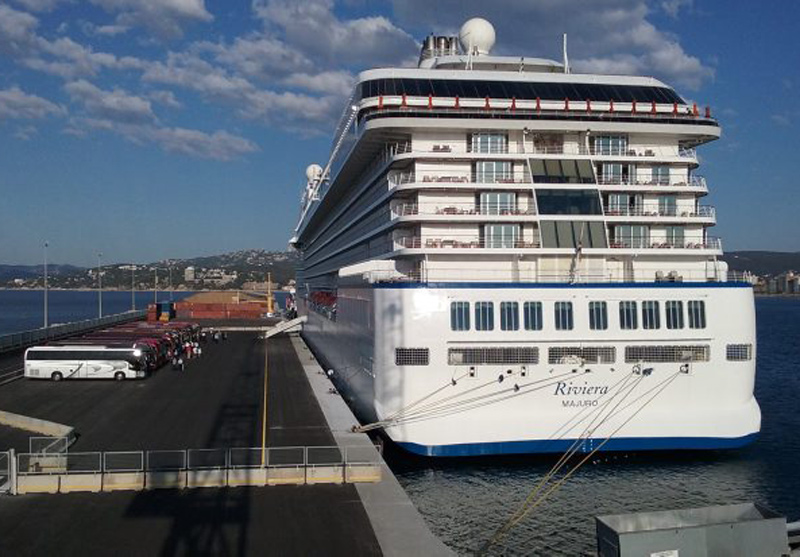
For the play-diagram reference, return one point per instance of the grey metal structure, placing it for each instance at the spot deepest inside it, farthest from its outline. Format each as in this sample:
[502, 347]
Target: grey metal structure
[746, 530]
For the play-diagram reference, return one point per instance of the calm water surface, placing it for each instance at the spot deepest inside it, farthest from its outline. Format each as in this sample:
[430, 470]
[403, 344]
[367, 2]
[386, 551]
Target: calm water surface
[22, 310]
[465, 501]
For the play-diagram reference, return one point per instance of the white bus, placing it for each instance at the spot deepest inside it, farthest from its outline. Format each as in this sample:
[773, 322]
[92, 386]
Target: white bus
[84, 362]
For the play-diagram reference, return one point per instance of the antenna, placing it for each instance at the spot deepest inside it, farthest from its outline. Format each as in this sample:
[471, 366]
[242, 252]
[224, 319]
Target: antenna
[566, 58]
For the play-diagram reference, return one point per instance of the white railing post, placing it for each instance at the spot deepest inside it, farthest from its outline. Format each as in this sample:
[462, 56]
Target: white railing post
[12, 471]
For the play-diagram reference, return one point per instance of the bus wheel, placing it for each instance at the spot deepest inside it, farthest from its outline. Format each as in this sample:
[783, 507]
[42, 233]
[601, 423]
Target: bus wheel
[119, 376]
[57, 376]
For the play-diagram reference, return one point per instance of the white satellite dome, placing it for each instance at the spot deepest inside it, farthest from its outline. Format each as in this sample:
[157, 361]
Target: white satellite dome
[477, 36]
[313, 172]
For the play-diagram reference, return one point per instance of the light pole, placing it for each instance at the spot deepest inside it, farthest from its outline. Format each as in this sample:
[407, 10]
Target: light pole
[170, 283]
[45, 284]
[99, 286]
[155, 284]
[133, 287]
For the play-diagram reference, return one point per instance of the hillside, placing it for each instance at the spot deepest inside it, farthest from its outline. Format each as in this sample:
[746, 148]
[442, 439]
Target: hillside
[763, 263]
[230, 270]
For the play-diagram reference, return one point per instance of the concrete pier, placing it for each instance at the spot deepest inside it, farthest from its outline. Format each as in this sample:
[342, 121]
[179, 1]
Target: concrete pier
[216, 403]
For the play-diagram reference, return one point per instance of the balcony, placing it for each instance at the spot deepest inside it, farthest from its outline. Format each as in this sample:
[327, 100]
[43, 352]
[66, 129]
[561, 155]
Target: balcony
[655, 210]
[467, 242]
[697, 182]
[444, 209]
[410, 178]
[644, 243]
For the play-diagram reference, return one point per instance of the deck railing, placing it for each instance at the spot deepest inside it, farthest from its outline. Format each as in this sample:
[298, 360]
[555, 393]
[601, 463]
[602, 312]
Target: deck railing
[444, 209]
[655, 210]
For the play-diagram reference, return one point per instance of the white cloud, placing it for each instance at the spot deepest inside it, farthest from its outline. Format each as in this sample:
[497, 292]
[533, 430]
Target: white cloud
[25, 133]
[313, 28]
[17, 30]
[781, 119]
[217, 145]
[165, 18]
[165, 98]
[339, 83]
[40, 5]
[17, 104]
[115, 106]
[673, 7]
[604, 35]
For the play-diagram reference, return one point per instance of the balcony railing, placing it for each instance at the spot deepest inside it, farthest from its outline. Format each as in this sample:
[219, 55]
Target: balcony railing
[644, 243]
[406, 209]
[655, 210]
[473, 242]
[694, 181]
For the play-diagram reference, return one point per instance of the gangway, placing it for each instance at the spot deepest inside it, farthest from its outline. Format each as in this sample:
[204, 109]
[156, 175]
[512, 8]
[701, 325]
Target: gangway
[285, 327]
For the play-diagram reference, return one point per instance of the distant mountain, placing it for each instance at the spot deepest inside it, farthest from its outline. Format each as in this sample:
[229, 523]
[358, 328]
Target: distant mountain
[763, 262]
[229, 270]
[11, 272]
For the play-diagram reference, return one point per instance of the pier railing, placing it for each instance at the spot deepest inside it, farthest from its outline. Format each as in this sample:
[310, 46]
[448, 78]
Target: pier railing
[35, 336]
[64, 472]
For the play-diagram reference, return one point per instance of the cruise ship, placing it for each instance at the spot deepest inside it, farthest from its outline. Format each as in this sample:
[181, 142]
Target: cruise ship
[504, 256]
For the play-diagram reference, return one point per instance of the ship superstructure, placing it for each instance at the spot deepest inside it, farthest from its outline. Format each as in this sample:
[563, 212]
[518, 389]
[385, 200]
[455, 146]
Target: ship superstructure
[519, 247]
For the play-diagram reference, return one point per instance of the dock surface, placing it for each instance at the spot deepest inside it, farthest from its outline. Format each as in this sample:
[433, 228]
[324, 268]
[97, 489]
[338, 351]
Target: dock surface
[215, 403]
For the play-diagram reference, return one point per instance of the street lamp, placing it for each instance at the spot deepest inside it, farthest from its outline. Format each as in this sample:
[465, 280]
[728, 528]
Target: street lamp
[170, 283]
[45, 284]
[133, 287]
[99, 286]
[155, 284]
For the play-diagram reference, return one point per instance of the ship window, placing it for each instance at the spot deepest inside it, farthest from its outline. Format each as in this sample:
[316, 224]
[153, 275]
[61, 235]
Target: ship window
[675, 236]
[661, 175]
[566, 171]
[489, 143]
[577, 355]
[651, 318]
[509, 316]
[484, 316]
[466, 88]
[674, 314]
[739, 352]
[627, 315]
[598, 316]
[491, 172]
[667, 205]
[697, 314]
[610, 144]
[532, 313]
[411, 356]
[500, 235]
[459, 316]
[568, 234]
[563, 316]
[568, 202]
[667, 354]
[632, 236]
[498, 203]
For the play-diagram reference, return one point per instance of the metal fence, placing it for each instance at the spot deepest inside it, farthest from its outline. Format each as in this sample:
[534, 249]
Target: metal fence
[5, 471]
[47, 463]
[29, 338]
[48, 444]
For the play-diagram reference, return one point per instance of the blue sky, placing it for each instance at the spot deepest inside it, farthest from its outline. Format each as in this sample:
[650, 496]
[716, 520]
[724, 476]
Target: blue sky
[148, 129]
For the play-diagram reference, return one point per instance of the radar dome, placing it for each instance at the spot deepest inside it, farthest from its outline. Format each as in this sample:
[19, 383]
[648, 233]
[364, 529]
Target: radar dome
[313, 172]
[477, 36]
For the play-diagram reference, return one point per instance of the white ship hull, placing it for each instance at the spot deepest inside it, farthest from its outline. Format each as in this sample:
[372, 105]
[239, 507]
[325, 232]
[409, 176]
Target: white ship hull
[619, 402]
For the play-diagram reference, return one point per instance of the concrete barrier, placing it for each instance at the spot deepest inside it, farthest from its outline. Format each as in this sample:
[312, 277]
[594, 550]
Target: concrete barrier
[38, 484]
[123, 481]
[207, 478]
[256, 477]
[73, 483]
[37, 425]
[281, 476]
[363, 473]
[165, 480]
[325, 474]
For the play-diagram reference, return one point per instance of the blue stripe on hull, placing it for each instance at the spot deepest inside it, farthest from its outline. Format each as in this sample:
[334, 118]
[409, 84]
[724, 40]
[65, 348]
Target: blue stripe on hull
[562, 445]
[543, 285]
